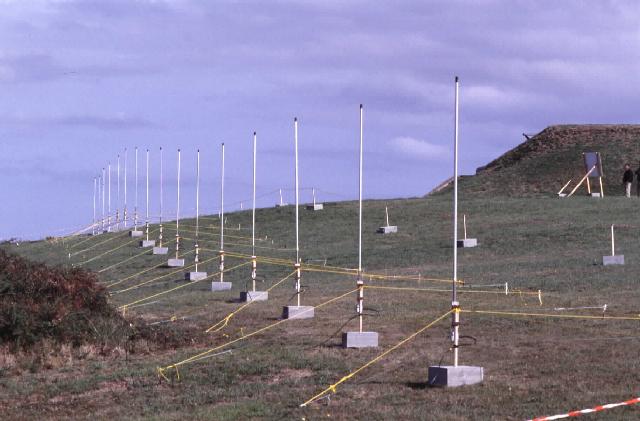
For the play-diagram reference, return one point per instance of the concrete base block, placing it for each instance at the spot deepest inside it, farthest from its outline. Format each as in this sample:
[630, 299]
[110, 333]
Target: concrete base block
[147, 243]
[467, 242]
[391, 229]
[297, 312]
[450, 376]
[278, 205]
[160, 250]
[562, 194]
[246, 296]
[316, 207]
[175, 263]
[195, 276]
[595, 194]
[618, 259]
[134, 233]
[220, 286]
[359, 339]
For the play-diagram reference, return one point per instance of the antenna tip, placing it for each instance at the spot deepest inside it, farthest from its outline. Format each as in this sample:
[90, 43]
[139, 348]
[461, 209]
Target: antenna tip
[360, 106]
[457, 79]
[254, 133]
[178, 149]
[198, 150]
[295, 119]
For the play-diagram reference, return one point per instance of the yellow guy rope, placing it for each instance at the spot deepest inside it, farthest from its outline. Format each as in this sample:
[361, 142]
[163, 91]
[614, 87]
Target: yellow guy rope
[105, 253]
[108, 251]
[124, 261]
[463, 291]
[193, 358]
[125, 306]
[145, 271]
[115, 237]
[332, 388]
[92, 237]
[136, 286]
[339, 270]
[224, 322]
[559, 316]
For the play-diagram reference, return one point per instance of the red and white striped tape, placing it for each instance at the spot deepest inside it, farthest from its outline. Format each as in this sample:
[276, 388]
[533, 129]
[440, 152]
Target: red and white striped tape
[589, 410]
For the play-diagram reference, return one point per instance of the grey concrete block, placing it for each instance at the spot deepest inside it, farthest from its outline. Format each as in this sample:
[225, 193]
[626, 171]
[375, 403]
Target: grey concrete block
[316, 207]
[220, 286]
[175, 263]
[195, 276]
[147, 243]
[391, 229]
[298, 312]
[467, 242]
[562, 194]
[359, 339]
[594, 194]
[450, 376]
[134, 233]
[618, 259]
[246, 296]
[160, 250]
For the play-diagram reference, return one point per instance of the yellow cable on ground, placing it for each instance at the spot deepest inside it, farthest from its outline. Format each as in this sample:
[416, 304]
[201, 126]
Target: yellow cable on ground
[123, 261]
[125, 306]
[559, 316]
[106, 252]
[142, 271]
[115, 237]
[92, 237]
[338, 270]
[460, 291]
[332, 388]
[136, 286]
[175, 366]
[224, 322]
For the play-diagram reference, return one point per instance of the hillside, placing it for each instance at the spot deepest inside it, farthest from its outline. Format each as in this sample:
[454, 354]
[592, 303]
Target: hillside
[545, 162]
[534, 366]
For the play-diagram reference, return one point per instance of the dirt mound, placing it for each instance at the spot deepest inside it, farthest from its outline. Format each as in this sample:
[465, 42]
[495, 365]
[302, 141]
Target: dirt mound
[546, 161]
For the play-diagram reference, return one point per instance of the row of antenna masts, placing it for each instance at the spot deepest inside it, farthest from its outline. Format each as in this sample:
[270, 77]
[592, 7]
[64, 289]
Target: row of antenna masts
[105, 223]
[106, 219]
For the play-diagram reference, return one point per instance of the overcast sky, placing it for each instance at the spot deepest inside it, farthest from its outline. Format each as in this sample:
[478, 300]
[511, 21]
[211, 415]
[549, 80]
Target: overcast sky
[82, 80]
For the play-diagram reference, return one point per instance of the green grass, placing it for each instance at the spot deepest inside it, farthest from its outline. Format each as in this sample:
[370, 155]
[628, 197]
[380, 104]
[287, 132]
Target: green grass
[533, 366]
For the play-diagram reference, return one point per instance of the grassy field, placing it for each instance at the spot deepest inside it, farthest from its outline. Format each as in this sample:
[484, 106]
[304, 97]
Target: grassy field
[533, 365]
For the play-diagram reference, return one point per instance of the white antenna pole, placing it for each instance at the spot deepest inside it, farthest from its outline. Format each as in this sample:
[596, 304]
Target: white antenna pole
[281, 203]
[197, 205]
[178, 210]
[102, 181]
[135, 204]
[313, 192]
[118, 196]
[464, 223]
[297, 265]
[99, 201]
[125, 188]
[386, 213]
[613, 242]
[253, 216]
[146, 222]
[93, 226]
[109, 198]
[161, 200]
[360, 281]
[221, 252]
[455, 305]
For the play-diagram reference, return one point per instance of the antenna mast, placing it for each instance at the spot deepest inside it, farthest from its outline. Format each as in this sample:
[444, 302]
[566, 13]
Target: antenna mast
[455, 305]
[221, 252]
